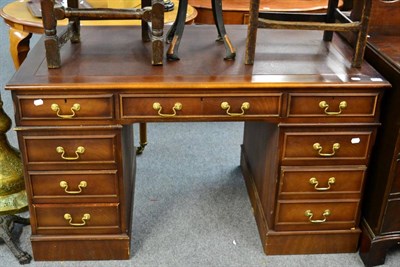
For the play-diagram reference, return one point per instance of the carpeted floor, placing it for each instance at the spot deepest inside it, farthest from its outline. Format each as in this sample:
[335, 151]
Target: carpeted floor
[191, 206]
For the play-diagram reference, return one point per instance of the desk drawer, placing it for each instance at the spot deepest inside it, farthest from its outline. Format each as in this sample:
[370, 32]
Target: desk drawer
[391, 220]
[333, 105]
[264, 105]
[220, 106]
[327, 146]
[316, 215]
[76, 219]
[73, 186]
[321, 182]
[65, 108]
[71, 151]
[146, 106]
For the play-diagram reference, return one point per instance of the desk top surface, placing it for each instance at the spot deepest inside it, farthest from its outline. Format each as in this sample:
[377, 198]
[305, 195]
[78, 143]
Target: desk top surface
[116, 58]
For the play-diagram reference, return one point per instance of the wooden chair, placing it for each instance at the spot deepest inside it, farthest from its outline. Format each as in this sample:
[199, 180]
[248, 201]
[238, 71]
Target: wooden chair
[151, 14]
[331, 21]
[175, 33]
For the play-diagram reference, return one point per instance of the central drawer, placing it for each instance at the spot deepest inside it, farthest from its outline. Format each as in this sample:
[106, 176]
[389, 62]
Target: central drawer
[149, 106]
[264, 105]
[192, 106]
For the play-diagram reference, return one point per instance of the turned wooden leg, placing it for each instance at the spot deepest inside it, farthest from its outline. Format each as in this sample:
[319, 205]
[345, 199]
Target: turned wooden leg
[330, 18]
[252, 32]
[145, 26]
[19, 45]
[361, 40]
[157, 31]
[222, 35]
[76, 27]
[51, 42]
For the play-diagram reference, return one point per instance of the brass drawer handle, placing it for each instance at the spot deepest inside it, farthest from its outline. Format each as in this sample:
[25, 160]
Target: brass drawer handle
[325, 106]
[318, 147]
[75, 107]
[245, 106]
[157, 106]
[309, 214]
[315, 182]
[85, 218]
[79, 150]
[64, 184]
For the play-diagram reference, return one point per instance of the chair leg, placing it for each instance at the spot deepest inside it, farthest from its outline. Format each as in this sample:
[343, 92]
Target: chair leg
[361, 39]
[75, 38]
[143, 138]
[174, 35]
[157, 31]
[51, 39]
[330, 18]
[252, 32]
[222, 36]
[144, 24]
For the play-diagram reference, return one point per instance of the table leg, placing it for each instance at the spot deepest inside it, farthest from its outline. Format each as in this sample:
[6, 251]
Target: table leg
[19, 45]
[143, 138]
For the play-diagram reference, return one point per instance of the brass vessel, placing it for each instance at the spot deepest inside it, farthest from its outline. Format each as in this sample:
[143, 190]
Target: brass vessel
[13, 197]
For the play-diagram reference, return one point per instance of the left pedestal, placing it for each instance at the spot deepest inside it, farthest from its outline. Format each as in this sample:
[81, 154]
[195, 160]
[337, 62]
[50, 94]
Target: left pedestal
[80, 190]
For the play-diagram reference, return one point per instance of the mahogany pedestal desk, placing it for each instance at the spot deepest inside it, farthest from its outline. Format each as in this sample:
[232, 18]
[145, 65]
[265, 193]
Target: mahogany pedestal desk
[310, 124]
[381, 211]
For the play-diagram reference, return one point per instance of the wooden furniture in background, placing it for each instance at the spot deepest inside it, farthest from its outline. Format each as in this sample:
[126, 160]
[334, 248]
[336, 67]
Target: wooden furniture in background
[381, 208]
[327, 22]
[237, 11]
[23, 25]
[310, 124]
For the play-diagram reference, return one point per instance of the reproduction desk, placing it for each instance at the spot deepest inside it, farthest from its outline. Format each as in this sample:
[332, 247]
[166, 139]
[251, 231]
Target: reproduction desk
[310, 124]
[23, 25]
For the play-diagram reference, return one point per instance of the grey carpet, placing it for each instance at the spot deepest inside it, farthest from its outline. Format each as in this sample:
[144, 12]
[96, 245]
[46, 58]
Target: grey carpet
[191, 206]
